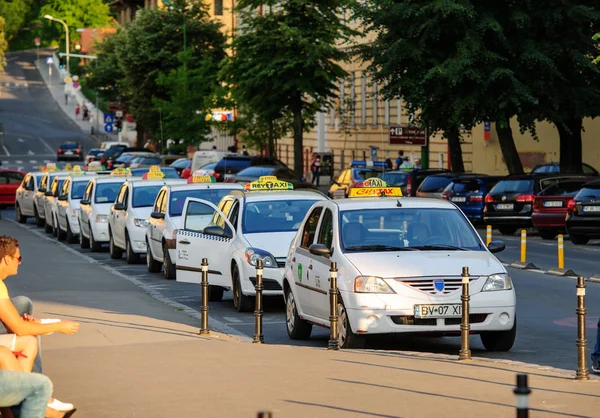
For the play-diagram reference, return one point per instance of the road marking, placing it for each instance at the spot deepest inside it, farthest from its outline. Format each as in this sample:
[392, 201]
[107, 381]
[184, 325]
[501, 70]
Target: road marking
[5, 162]
[6, 151]
[45, 144]
[32, 161]
[21, 140]
[46, 161]
[232, 319]
[20, 168]
[30, 152]
[18, 162]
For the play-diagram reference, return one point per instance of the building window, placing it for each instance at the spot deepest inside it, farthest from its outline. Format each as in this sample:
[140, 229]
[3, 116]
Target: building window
[218, 7]
[375, 102]
[363, 99]
[352, 98]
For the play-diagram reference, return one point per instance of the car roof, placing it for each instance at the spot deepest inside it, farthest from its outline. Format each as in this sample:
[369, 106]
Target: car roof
[8, 170]
[138, 182]
[200, 186]
[594, 183]
[109, 179]
[302, 194]
[392, 202]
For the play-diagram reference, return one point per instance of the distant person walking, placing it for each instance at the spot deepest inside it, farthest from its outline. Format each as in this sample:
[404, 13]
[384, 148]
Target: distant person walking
[400, 159]
[77, 111]
[315, 168]
[407, 165]
[86, 112]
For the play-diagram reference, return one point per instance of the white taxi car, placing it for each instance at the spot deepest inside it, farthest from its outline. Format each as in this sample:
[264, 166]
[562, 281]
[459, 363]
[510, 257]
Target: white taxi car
[40, 195]
[94, 208]
[399, 266]
[165, 218]
[128, 216]
[50, 203]
[258, 223]
[24, 200]
[67, 204]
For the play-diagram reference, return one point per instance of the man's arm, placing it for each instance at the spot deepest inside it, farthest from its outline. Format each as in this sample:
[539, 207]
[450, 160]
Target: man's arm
[15, 324]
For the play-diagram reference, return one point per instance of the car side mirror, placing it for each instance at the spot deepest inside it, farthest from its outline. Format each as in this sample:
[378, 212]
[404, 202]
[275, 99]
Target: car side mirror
[157, 215]
[119, 206]
[496, 246]
[217, 231]
[48, 193]
[320, 250]
[29, 188]
[42, 190]
[84, 202]
[62, 197]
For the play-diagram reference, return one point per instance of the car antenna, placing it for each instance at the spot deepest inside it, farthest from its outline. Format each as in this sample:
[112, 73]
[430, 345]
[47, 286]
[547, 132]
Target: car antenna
[398, 204]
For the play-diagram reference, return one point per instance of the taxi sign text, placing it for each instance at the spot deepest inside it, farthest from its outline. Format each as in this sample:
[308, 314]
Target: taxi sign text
[375, 192]
[120, 172]
[268, 183]
[154, 173]
[201, 176]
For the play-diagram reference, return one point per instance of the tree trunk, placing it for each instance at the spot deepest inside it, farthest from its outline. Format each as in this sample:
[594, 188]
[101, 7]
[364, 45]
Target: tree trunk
[272, 152]
[140, 140]
[571, 153]
[298, 126]
[508, 147]
[456, 159]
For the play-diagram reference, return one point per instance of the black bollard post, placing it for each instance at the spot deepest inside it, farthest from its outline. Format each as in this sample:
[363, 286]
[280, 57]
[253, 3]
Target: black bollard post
[582, 372]
[333, 312]
[522, 392]
[204, 303]
[258, 335]
[265, 414]
[465, 326]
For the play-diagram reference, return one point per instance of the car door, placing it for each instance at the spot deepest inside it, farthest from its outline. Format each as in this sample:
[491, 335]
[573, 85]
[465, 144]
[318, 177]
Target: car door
[63, 205]
[25, 194]
[321, 265]
[85, 209]
[117, 217]
[194, 242]
[156, 226]
[302, 268]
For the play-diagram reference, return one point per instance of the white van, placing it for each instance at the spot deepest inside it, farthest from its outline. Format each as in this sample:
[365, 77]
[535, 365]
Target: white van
[201, 158]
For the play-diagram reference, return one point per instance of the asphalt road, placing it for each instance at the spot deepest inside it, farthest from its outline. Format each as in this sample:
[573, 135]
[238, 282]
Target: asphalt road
[34, 125]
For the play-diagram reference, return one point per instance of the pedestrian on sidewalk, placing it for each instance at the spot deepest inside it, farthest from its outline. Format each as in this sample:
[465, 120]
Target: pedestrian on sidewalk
[77, 111]
[596, 353]
[315, 168]
[86, 114]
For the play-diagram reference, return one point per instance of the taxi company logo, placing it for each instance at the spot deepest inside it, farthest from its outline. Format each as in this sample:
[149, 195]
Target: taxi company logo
[439, 285]
[375, 191]
[374, 182]
[268, 183]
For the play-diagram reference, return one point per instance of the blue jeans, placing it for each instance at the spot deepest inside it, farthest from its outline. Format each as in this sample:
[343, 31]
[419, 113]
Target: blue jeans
[27, 393]
[596, 353]
[24, 305]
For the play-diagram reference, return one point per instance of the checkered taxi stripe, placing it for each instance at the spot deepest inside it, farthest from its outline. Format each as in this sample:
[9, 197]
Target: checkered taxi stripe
[192, 234]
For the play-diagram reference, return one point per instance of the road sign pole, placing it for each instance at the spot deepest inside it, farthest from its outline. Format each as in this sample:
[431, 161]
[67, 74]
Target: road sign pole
[49, 74]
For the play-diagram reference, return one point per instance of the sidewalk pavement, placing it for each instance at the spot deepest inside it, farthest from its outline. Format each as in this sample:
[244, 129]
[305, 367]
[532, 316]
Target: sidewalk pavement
[56, 86]
[137, 357]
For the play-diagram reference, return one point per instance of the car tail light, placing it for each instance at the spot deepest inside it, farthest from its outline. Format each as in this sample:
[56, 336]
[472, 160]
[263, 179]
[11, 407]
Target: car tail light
[216, 175]
[572, 206]
[536, 204]
[102, 160]
[409, 186]
[526, 198]
[476, 198]
[78, 150]
[109, 164]
[489, 199]
[60, 151]
[445, 196]
[227, 179]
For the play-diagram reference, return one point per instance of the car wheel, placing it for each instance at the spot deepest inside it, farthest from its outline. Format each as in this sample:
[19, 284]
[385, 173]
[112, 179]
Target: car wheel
[297, 328]
[505, 230]
[168, 266]
[38, 221]
[130, 256]
[20, 218]
[71, 237]
[95, 246]
[499, 340]
[47, 227]
[83, 241]
[547, 233]
[578, 239]
[115, 252]
[215, 293]
[60, 235]
[152, 265]
[241, 302]
[347, 338]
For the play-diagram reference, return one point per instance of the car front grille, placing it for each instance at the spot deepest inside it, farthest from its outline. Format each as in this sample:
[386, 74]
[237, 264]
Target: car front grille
[427, 285]
[477, 318]
[268, 284]
[411, 320]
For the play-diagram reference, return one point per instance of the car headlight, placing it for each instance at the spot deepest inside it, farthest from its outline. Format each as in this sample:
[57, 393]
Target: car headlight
[102, 218]
[142, 223]
[255, 254]
[371, 284]
[497, 282]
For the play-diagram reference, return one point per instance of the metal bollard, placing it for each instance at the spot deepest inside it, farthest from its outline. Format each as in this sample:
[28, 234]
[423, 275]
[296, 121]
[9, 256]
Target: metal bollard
[333, 313]
[204, 303]
[582, 370]
[488, 235]
[258, 313]
[523, 246]
[561, 252]
[465, 326]
[265, 414]
[522, 392]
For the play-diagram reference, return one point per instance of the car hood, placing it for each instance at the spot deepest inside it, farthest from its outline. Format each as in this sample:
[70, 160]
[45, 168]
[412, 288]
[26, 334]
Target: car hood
[425, 263]
[103, 208]
[277, 243]
[141, 213]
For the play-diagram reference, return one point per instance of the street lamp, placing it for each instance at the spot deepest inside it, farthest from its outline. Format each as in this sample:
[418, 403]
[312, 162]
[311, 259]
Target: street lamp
[67, 31]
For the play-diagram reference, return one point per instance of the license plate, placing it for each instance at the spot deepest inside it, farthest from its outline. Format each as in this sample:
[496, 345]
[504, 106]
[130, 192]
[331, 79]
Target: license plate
[438, 311]
[505, 206]
[459, 199]
[68, 152]
[553, 204]
[591, 208]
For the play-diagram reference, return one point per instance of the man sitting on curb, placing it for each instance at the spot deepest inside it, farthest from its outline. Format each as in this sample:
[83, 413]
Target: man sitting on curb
[596, 353]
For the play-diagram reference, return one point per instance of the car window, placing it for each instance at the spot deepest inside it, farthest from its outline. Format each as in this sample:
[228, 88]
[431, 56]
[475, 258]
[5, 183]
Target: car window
[177, 199]
[563, 189]
[158, 202]
[13, 178]
[310, 228]
[513, 186]
[588, 169]
[369, 229]
[256, 171]
[344, 178]
[326, 230]
[59, 186]
[588, 192]
[274, 215]
[434, 184]
[144, 196]
[163, 204]
[78, 189]
[468, 186]
[364, 173]
[107, 192]
[198, 216]
[122, 194]
[234, 214]
[284, 173]
[394, 179]
[44, 182]
[88, 191]
[65, 187]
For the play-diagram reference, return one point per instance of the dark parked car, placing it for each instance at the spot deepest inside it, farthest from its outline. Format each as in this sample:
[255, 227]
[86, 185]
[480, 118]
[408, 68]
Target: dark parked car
[434, 185]
[550, 206]
[509, 205]
[554, 167]
[93, 155]
[69, 151]
[251, 174]
[233, 164]
[583, 214]
[110, 156]
[468, 193]
[181, 164]
[170, 172]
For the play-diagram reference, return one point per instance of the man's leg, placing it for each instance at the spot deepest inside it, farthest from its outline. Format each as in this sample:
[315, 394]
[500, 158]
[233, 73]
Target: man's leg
[596, 353]
[24, 305]
[29, 390]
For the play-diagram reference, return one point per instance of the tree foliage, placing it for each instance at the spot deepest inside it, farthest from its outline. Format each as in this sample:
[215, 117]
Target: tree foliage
[14, 13]
[286, 60]
[105, 73]
[3, 44]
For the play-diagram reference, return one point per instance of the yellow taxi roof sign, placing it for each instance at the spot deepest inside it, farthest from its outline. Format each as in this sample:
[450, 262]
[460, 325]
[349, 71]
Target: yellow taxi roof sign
[154, 173]
[51, 167]
[201, 176]
[77, 171]
[95, 166]
[268, 183]
[374, 187]
[120, 172]
[68, 167]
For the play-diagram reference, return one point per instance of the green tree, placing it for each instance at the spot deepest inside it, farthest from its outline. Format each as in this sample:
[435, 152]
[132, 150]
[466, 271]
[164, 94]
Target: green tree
[14, 13]
[3, 44]
[104, 73]
[286, 60]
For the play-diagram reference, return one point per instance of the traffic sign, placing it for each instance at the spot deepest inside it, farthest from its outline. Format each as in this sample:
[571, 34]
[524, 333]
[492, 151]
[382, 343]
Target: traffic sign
[49, 60]
[37, 41]
[108, 128]
[109, 118]
[75, 85]
[119, 113]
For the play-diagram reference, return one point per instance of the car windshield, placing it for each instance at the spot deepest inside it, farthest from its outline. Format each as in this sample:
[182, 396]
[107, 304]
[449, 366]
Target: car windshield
[182, 164]
[39, 178]
[394, 179]
[513, 186]
[107, 192]
[588, 192]
[468, 186]
[78, 189]
[69, 145]
[95, 152]
[274, 215]
[144, 196]
[178, 198]
[58, 187]
[434, 184]
[256, 171]
[563, 189]
[365, 173]
[407, 229]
